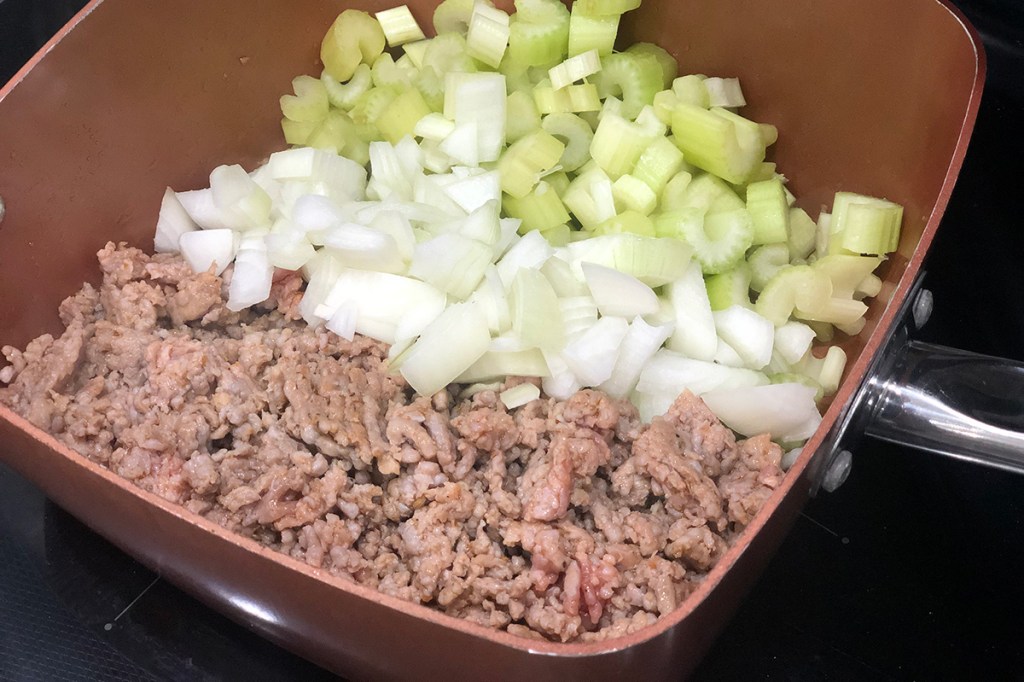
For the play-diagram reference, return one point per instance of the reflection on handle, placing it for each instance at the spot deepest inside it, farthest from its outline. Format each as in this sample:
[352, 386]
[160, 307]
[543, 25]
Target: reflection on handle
[951, 402]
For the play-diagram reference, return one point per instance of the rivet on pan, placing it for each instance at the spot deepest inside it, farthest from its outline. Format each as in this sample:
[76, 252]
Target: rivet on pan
[3, 210]
[923, 305]
[838, 471]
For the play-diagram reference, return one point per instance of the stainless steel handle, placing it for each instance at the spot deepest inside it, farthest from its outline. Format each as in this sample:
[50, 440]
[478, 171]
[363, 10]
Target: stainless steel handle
[951, 402]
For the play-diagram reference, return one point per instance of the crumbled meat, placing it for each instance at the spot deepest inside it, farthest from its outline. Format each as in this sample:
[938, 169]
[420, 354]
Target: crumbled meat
[565, 520]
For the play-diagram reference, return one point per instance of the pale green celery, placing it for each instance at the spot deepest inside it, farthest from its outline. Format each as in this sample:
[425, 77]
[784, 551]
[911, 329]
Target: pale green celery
[589, 197]
[575, 133]
[536, 316]
[431, 86]
[433, 126]
[838, 311]
[399, 26]
[446, 53]
[633, 194]
[525, 160]
[721, 241]
[796, 287]
[865, 225]
[691, 90]
[558, 180]
[724, 92]
[574, 68]
[653, 261]
[415, 52]
[709, 194]
[488, 34]
[673, 223]
[309, 104]
[664, 102]
[570, 99]
[540, 209]
[338, 133]
[591, 32]
[517, 76]
[618, 144]
[344, 95]
[297, 132]
[765, 261]
[852, 328]
[369, 107]
[766, 171]
[673, 196]
[848, 273]
[635, 76]
[452, 16]
[869, 287]
[522, 117]
[658, 164]
[385, 72]
[354, 38]
[605, 7]
[627, 222]
[767, 205]
[823, 331]
[669, 65]
[400, 116]
[729, 288]
[539, 33]
[769, 133]
[718, 141]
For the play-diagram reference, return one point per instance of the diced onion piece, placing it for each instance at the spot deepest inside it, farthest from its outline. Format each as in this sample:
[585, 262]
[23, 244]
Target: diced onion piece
[388, 307]
[787, 411]
[592, 356]
[447, 347]
[517, 396]
[531, 251]
[289, 249]
[201, 249]
[365, 248]
[321, 274]
[750, 335]
[452, 263]
[343, 321]
[399, 26]
[669, 372]
[480, 98]
[562, 383]
[695, 335]
[793, 341]
[617, 293]
[198, 203]
[496, 364]
[171, 224]
[252, 276]
[640, 343]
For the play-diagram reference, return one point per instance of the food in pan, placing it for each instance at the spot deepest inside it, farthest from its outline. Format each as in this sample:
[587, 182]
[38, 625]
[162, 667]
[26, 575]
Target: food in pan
[468, 377]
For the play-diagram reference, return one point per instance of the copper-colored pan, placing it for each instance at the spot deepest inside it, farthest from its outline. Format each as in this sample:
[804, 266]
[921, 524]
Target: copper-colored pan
[869, 95]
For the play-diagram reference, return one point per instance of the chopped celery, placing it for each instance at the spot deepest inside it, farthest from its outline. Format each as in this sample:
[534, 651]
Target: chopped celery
[628, 221]
[525, 160]
[446, 53]
[765, 261]
[669, 65]
[384, 72]
[354, 38]
[344, 95]
[399, 26]
[767, 205]
[540, 209]
[802, 231]
[590, 198]
[591, 32]
[796, 287]
[633, 194]
[570, 99]
[519, 395]
[653, 261]
[713, 140]
[729, 288]
[636, 76]
[488, 34]
[539, 32]
[309, 103]
[574, 68]
[658, 163]
[673, 223]
[400, 116]
[296, 132]
[709, 194]
[865, 225]
[721, 240]
[453, 16]
[673, 196]
[691, 90]
[725, 92]
[575, 133]
[523, 117]
[618, 144]
[605, 7]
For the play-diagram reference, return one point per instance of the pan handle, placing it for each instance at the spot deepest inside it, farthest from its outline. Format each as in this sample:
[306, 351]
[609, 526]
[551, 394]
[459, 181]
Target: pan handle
[950, 402]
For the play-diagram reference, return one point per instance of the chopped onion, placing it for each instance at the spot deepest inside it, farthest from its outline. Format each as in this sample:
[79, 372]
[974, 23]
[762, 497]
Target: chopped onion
[202, 249]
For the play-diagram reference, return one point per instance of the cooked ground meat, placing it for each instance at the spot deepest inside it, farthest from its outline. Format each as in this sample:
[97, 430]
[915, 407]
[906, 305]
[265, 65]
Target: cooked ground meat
[560, 519]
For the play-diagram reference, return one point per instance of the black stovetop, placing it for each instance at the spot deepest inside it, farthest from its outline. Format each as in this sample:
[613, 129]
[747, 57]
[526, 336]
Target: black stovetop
[914, 569]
